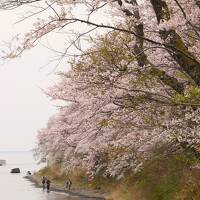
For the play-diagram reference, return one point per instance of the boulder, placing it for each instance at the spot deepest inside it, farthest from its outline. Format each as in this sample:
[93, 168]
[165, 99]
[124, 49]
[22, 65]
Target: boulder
[2, 162]
[28, 173]
[15, 170]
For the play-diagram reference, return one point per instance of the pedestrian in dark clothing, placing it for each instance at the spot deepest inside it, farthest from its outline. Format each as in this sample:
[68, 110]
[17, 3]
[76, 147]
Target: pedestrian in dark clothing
[43, 182]
[68, 184]
[48, 183]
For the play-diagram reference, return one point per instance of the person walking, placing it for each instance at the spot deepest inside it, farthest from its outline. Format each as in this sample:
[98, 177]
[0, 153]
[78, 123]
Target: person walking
[43, 182]
[68, 184]
[48, 183]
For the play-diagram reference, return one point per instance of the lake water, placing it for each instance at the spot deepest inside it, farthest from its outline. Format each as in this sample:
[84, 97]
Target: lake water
[15, 187]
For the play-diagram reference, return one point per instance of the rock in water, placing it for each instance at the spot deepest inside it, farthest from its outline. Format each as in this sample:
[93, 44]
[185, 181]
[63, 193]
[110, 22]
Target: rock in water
[15, 170]
[2, 162]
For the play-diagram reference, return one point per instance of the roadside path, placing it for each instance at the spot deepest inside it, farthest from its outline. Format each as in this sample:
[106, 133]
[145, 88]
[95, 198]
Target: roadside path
[76, 194]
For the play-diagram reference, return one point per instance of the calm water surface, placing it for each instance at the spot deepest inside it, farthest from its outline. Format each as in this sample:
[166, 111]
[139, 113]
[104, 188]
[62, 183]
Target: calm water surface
[15, 187]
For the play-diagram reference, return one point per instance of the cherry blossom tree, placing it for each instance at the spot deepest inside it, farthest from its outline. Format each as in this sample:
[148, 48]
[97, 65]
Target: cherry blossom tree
[118, 111]
[135, 87]
[166, 33]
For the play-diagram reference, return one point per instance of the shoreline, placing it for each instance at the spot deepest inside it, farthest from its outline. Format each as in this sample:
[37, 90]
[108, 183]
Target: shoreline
[84, 194]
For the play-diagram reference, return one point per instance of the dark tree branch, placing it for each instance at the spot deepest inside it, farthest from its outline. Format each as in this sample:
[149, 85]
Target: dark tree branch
[11, 4]
[174, 42]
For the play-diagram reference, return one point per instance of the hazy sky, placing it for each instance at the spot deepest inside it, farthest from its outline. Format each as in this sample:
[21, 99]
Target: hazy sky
[23, 107]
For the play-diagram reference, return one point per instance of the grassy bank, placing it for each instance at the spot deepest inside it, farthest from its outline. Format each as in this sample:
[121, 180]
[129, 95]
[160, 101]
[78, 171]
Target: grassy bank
[172, 177]
[175, 177]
